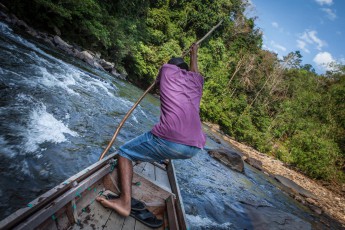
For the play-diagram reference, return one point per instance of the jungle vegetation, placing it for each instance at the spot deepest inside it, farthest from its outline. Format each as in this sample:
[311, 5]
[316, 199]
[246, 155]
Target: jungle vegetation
[278, 106]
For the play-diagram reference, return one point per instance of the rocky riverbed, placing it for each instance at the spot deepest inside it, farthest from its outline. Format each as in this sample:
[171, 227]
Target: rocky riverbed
[311, 193]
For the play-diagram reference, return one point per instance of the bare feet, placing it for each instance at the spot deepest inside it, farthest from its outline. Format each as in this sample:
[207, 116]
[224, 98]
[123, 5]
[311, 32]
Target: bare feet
[119, 205]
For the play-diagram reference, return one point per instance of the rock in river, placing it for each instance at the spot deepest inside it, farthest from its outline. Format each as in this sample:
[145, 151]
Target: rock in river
[230, 158]
[294, 187]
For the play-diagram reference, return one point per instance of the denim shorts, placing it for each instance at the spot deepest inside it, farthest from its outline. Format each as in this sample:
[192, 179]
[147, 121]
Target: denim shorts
[149, 148]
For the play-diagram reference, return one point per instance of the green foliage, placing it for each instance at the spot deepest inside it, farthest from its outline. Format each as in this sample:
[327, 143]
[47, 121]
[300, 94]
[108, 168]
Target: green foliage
[277, 106]
[314, 155]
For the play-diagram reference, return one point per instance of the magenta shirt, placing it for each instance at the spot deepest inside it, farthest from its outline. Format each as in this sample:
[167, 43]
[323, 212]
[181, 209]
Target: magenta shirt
[180, 95]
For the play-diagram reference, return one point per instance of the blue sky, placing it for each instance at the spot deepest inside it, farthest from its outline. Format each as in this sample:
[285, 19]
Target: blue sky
[314, 27]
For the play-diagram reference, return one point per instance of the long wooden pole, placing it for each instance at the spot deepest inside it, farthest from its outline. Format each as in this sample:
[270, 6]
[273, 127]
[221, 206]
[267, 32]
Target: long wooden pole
[111, 142]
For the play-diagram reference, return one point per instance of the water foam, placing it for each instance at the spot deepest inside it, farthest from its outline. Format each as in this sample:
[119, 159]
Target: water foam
[198, 222]
[44, 127]
[7, 31]
[53, 80]
[5, 150]
[101, 85]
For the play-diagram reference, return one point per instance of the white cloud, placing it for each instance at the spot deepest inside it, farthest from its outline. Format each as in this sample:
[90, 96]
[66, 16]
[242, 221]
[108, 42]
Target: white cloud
[309, 36]
[323, 60]
[278, 46]
[324, 2]
[275, 24]
[302, 45]
[330, 14]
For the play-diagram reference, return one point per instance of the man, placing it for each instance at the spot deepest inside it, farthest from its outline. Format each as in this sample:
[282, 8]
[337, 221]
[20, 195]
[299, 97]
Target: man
[178, 135]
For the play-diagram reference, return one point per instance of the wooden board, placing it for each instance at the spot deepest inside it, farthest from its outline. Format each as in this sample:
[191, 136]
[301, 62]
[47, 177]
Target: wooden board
[53, 207]
[129, 223]
[115, 221]
[181, 216]
[149, 191]
[155, 173]
[43, 200]
[171, 212]
[149, 171]
[93, 218]
[162, 178]
[138, 168]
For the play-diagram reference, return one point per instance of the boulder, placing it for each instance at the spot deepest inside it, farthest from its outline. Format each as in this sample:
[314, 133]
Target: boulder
[229, 158]
[265, 217]
[62, 44]
[57, 31]
[32, 32]
[98, 55]
[254, 162]
[85, 56]
[49, 42]
[106, 65]
[294, 187]
[97, 65]
[21, 24]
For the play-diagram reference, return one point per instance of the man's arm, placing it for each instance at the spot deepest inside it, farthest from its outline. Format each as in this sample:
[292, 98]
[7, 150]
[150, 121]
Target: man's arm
[194, 58]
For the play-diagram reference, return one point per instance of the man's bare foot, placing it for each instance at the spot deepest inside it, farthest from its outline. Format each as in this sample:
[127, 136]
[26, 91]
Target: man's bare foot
[119, 205]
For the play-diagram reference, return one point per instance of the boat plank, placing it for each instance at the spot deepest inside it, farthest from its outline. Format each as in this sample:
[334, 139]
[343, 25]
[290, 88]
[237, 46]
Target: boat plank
[129, 223]
[138, 168]
[115, 221]
[176, 190]
[62, 220]
[36, 205]
[43, 214]
[172, 218]
[162, 177]
[85, 198]
[94, 218]
[141, 226]
[149, 171]
[147, 190]
[49, 224]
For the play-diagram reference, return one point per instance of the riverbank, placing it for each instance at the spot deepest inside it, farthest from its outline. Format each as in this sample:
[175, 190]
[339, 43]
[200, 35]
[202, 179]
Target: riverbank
[55, 41]
[322, 200]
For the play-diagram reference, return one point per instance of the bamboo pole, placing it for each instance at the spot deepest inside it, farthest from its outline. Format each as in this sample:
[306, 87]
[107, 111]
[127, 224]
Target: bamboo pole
[111, 142]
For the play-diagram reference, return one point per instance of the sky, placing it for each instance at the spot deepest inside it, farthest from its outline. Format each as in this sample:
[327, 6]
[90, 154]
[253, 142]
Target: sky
[316, 28]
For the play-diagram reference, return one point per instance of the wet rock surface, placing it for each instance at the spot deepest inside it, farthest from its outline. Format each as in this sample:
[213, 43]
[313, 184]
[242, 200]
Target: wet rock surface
[254, 162]
[266, 218]
[329, 203]
[229, 158]
[295, 188]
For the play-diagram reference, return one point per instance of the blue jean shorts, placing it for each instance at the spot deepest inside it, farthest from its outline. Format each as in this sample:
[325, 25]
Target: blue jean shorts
[149, 148]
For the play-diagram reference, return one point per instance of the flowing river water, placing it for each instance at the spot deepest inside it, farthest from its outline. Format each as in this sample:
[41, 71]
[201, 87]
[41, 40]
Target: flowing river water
[57, 115]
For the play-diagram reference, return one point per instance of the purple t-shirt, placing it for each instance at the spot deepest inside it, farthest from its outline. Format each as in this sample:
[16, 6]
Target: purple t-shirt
[180, 95]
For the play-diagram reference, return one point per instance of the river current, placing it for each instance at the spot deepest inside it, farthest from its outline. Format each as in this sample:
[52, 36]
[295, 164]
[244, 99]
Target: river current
[57, 115]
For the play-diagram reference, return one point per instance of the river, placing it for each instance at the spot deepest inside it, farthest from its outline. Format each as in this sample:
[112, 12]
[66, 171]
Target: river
[57, 115]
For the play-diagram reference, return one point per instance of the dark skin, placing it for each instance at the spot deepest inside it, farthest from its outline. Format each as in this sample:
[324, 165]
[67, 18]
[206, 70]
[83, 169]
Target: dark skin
[125, 167]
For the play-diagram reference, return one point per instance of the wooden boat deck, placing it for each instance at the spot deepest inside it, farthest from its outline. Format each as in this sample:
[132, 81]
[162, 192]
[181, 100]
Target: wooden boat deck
[72, 205]
[99, 218]
[96, 217]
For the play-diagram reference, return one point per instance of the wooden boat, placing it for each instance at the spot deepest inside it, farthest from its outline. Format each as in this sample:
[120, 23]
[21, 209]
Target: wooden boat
[72, 205]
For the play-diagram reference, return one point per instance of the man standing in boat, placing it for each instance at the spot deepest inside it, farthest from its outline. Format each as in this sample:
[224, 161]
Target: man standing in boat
[178, 135]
